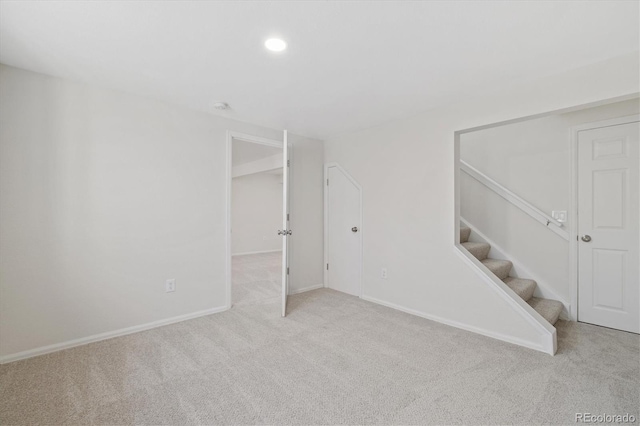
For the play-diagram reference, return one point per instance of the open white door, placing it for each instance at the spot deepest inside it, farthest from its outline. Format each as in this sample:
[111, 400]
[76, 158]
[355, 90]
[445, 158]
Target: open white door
[285, 224]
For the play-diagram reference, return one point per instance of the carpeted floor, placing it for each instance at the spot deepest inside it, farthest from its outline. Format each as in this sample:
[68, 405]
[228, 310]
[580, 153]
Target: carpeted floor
[256, 278]
[335, 359]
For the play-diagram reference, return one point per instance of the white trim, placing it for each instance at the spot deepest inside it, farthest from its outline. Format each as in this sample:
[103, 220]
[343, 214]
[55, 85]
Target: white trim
[255, 139]
[460, 325]
[285, 221]
[327, 166]
[514, 199]
[543, 289]
[108, 335]
[255, 252]
[325, 216]
[456, 187]
[627, 97]
[573, 202]
[305, 289]
[231, 135]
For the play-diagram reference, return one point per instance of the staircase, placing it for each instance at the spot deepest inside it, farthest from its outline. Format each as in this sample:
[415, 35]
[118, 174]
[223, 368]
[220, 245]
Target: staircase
[547, 308]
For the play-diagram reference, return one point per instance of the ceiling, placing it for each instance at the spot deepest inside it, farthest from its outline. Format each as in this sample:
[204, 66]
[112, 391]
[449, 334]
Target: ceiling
[245, 152]
[349, 65]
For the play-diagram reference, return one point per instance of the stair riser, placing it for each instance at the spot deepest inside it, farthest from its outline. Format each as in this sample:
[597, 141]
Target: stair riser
[501, 271]
[480, 253]
[525, 294]
[548, 309]
[464, 234]
[522, 287]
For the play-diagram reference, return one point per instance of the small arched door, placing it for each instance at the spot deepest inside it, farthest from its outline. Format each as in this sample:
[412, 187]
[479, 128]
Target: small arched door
[344, 231]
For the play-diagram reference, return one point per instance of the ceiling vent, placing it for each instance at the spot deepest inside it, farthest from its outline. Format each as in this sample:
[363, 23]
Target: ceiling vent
[222, 106]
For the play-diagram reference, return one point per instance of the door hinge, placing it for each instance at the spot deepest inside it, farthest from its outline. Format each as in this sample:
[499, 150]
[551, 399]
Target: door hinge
[327, 266]
[327, 182]
[287, 270]
[287, 216]
[288, 163]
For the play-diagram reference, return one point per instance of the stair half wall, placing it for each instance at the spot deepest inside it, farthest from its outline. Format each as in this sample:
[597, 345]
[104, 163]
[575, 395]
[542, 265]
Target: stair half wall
[519, 292]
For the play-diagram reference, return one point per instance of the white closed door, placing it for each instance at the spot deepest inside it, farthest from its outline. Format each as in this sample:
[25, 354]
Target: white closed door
[344, 232]
[608, 227]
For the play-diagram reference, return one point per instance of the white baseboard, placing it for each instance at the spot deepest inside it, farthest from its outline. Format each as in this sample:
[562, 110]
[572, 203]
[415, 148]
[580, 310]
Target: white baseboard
[462, 326]
[255, 252]
[302, 290]
[108, 335]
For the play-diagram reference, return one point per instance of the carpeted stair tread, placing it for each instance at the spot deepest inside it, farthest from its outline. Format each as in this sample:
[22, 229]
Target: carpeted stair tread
[499, 267]
[523, 287]
[479, 250]
[547, 308]
[464, 234]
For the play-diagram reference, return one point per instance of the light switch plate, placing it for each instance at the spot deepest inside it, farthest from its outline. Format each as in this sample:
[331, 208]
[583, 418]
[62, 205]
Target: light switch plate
[559, 215]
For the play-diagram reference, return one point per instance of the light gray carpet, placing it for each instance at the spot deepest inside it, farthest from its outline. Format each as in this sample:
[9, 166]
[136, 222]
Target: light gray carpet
[257, 278]
[334, 360]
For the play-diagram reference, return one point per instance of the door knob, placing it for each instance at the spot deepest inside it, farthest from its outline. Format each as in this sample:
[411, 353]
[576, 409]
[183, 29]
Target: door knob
[354, 229]
[586, 238]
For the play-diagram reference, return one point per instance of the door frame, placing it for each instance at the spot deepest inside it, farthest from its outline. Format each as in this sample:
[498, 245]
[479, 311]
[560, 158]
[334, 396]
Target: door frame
[231, 135]
[573, 203]
[327, 166]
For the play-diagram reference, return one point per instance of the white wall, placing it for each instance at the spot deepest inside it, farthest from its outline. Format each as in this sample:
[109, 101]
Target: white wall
[532, 159]
[256, 213]
[407, 172]
[105, 195]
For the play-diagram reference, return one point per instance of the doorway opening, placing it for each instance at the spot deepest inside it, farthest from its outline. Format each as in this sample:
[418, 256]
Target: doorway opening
[257, 184]
[547, 208]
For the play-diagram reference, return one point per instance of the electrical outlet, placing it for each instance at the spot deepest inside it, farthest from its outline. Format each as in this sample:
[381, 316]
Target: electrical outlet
[170, 285]
[383, 273]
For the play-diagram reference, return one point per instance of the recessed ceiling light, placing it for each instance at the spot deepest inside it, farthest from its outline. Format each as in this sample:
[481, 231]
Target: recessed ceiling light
[275, 44]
